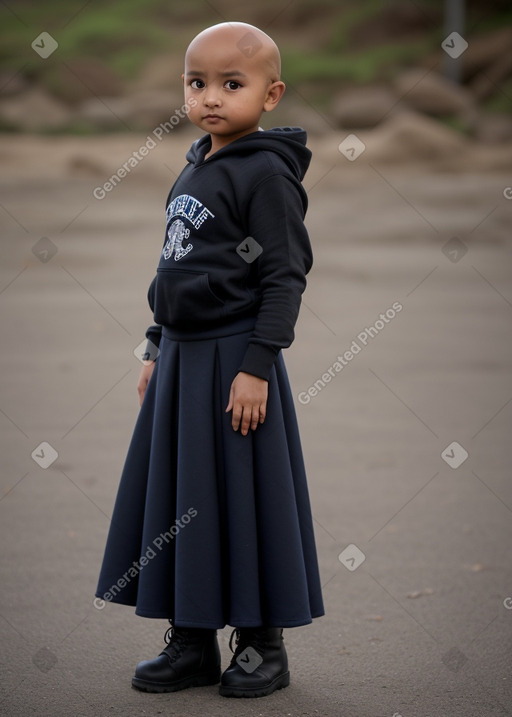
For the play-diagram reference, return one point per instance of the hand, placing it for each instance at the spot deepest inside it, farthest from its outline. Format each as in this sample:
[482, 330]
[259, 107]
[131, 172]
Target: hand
[145, 375]
[248, 401]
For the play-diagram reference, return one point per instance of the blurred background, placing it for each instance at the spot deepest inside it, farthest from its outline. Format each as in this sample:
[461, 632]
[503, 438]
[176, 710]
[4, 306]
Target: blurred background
[408, 108]
[354, 63]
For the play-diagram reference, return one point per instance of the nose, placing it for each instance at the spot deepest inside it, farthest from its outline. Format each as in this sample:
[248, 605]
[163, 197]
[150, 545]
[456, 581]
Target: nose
[211, 98]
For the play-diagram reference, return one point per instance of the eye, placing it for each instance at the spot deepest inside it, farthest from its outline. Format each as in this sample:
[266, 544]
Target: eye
[197, 84]
[232, 85]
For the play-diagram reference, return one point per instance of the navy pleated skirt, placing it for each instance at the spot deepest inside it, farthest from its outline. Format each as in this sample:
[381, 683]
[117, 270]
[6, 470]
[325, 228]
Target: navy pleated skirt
[211, 527]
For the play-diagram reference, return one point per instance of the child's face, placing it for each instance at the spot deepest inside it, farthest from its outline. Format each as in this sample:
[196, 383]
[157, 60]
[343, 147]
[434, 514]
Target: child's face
[230, 89]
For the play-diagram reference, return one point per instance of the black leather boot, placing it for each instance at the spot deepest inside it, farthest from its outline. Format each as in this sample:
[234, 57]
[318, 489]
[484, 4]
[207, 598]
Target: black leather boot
[259, 665]
[191, 659]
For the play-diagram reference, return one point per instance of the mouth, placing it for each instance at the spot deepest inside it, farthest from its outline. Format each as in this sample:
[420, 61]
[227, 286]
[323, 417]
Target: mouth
[212, 117]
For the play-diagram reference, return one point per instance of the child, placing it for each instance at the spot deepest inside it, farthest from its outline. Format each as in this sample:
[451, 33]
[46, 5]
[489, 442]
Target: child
[212, 523]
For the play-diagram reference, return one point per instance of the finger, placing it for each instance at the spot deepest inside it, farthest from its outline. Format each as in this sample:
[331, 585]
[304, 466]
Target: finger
[263, 412]
[230, 402]
[246, 420]
[236, 416]
[255, 418]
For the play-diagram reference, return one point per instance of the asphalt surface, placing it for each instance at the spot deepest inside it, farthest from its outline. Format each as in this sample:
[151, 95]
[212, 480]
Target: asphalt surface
[414, 547]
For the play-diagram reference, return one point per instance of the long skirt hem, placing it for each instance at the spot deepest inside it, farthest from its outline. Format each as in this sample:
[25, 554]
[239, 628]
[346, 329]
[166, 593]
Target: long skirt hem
[287, 622]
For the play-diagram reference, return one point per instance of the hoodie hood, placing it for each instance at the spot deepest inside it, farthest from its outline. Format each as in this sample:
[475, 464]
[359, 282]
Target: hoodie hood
[289, 143]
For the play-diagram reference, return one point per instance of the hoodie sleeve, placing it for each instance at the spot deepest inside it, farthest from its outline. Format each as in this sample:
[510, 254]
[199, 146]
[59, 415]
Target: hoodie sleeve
[275, 220]
[154, 332]
[153, 335]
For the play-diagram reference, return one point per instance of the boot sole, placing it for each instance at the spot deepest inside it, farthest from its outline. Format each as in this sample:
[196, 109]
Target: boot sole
[201, 680]
[277, 684]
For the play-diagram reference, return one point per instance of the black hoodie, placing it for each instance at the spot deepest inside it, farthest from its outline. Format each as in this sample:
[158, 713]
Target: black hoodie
[235, 244]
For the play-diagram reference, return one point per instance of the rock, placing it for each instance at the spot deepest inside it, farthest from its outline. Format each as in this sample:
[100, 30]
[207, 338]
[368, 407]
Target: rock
[392, 21]
[493, 128]
[162, 72]
[34, 110]
[432, 93]
[147, 109]
[292, 113]
[410, 136]
[419, 593]
[85, 165]
[484, 50]
[12, 82]
[363, 106]
[489, 82]
[105, 113]
[82, 79]
[141, 111]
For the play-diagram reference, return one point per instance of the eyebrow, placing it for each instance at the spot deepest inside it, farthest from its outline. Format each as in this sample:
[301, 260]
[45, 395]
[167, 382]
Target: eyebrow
[228, 73]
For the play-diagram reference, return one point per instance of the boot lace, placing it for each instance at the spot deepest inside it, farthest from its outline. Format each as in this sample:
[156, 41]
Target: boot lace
[245, 638]
[175, 642]
[235, 633]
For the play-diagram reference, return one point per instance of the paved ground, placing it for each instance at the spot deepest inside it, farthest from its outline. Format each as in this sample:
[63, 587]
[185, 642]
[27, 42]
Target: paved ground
[423, 626]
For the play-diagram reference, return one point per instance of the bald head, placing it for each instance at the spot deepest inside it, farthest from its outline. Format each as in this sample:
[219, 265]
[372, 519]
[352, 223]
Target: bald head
[232, 43]
[232, 75]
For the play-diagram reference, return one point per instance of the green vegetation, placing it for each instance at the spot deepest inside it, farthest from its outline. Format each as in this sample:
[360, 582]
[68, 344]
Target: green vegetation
[375, 63]
[124, 34]
[325, 44]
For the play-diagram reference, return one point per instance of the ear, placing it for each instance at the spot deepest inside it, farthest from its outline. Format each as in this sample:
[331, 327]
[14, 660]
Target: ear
[274, 94]
[183, 79]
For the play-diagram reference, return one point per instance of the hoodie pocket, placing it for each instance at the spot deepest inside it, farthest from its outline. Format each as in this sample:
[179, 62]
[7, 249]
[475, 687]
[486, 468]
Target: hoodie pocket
[179, 297]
